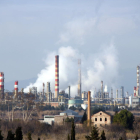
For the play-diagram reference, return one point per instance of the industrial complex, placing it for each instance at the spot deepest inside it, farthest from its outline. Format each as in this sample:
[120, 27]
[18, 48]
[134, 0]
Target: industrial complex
[102, 97]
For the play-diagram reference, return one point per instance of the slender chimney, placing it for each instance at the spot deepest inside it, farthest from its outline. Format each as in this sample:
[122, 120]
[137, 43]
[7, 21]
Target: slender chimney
[48, 91]
[56, 76]
[43, 91]
[138, 68]
[89, 117]
[116, 94]
[122, 92]
[79, 78]
[69, 91]
[1, 85]
[102, 90]
[16, 88]
[134, 91]
[111, 93]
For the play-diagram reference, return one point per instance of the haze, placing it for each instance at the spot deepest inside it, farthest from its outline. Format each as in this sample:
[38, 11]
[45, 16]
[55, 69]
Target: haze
[31, 30]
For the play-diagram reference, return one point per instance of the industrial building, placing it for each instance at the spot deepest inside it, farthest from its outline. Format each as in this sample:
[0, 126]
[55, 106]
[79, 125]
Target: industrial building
[103, 96]
[60, 119]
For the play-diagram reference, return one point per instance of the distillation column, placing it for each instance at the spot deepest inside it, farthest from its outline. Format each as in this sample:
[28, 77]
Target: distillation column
[48, 91]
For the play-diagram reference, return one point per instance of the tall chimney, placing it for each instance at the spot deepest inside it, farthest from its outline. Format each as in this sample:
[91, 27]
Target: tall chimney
[122, 92]
[138, 68]
[111, 93]
[89, 117]
[102, 90]
[16, 88]
[1, 85]
[79, 78]
[134, 91]
[43, 91]
[69, 91]
[116, 94]
[56, 76]
[48, 91]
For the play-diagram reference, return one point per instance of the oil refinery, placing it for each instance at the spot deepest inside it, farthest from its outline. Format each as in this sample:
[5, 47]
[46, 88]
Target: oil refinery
[104, 96]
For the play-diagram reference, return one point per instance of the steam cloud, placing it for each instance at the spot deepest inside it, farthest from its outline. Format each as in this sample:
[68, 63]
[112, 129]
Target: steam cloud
[94, 68]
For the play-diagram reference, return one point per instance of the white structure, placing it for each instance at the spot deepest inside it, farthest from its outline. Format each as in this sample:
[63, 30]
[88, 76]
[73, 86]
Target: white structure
[49, 119]
[130, 101]
[84, 106]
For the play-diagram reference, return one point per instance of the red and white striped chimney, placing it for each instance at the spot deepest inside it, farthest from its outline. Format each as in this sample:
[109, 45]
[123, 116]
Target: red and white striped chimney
[56, 76]
[134, 91]
[16, 88]
[1, 85]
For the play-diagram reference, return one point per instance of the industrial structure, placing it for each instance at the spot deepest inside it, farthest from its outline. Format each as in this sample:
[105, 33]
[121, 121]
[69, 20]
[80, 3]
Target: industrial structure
[105, 96]
[1, 85]
[56, 77]
[16, 89]
[138, 80]
[79, 78]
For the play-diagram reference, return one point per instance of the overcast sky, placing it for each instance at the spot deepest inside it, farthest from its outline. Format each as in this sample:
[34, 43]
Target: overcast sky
[29, 30]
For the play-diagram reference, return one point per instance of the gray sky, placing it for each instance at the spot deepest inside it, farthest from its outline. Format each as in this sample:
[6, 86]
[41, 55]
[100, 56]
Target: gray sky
[29, 30]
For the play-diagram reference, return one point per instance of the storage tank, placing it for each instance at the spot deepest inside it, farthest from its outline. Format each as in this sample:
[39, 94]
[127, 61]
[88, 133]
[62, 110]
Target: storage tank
[75, 102]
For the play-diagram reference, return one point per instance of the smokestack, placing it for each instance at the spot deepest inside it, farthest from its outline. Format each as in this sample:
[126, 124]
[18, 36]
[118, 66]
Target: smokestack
[22, 89]
[122, 92]
[69, 91]
[134, 91]
[138, 68]
[89, 117]
[48, 91]
[43, 91]
[1, 85]
[16, 88]
[102, 90]
[79, 78]
[111, 93]
[116, 94]
[56, 76]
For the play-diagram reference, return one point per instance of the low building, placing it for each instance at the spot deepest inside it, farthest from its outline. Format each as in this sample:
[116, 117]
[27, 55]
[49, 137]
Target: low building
[101, 119]
[60, 119]
[134, 101]
[49, 119]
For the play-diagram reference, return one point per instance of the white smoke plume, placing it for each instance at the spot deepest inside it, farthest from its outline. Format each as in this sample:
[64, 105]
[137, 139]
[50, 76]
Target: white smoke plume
[94, 68]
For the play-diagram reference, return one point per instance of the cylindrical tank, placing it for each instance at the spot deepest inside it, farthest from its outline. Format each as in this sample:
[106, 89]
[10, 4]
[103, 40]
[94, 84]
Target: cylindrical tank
[75, 102]
[83, 96]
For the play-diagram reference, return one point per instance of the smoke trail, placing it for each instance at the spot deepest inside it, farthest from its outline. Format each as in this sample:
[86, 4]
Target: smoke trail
[96, 67]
